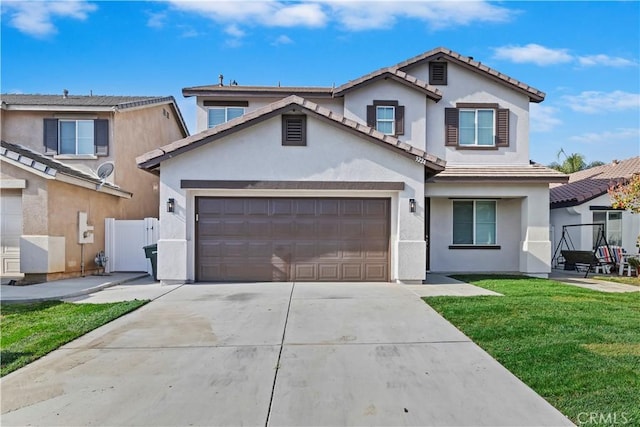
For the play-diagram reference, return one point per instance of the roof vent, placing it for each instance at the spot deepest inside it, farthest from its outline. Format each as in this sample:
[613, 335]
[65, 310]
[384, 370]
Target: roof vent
[65, 94]
[615, 161]
[221, 80]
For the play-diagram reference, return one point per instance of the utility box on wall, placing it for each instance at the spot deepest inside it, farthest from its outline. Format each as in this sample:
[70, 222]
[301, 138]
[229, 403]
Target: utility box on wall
[85, 231]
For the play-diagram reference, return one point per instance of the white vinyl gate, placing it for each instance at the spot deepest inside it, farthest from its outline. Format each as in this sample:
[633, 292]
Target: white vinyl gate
[125, 241]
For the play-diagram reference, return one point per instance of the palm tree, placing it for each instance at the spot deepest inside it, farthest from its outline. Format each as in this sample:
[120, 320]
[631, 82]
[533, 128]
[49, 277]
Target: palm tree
[573, 163]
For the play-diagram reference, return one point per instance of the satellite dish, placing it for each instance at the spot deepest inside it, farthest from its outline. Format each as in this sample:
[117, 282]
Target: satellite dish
[103, 172]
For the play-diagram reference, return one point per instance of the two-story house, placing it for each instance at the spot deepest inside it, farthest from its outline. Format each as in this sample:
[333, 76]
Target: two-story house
[420, 166]
[68, 162]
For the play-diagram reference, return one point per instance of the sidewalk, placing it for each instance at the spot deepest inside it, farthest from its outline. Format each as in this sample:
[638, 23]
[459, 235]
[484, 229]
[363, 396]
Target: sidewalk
[66, 288]
[577, 279]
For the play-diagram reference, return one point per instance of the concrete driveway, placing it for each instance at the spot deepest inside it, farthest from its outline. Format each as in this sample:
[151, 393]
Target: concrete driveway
[274, 354]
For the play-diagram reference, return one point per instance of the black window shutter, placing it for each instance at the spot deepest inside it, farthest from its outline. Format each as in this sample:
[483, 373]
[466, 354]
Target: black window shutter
[400, 120]
[451, 119]
[502, 128]
[371, 116]
[101, 136]
[294, 130]
[50, 136]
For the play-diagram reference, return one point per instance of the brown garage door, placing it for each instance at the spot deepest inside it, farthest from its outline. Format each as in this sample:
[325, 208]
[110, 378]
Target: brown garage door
[287, 239]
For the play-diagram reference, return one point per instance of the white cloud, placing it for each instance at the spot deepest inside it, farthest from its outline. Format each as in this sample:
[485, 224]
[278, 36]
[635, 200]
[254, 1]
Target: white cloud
[597, 102]
[282, 39]
[533, 53]
[156, 20]
[36, 18]
[350, 15]
[592, 60]
[268, 13]
[357, 16]
[607, 137]
[234, 31]
[543, 118]
[541, 55]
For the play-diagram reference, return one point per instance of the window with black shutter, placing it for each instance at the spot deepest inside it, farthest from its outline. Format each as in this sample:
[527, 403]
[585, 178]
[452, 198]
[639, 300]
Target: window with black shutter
[386, 117]
[476, 126]
[76, 137]
[294, 130]
[437, 73]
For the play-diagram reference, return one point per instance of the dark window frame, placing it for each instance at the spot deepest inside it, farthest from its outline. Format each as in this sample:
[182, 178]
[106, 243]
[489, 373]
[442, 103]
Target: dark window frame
[372, 115]
[51, 137]
[501, 125]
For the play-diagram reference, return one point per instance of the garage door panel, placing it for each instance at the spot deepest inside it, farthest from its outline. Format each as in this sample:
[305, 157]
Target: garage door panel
[304, 239]
[328, 272]
[328, 207]
[375, 272]
[281, 207]
[306, 271]
[257, 207]
[352, 272]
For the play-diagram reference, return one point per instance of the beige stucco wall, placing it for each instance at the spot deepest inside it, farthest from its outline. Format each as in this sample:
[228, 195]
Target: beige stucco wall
[137, 132]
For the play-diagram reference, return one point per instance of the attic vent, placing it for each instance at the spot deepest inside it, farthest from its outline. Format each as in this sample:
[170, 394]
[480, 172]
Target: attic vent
[438, 73]
[294, 130]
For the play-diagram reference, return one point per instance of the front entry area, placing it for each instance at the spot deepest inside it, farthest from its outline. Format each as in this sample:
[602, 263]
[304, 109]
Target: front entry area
[292, 239]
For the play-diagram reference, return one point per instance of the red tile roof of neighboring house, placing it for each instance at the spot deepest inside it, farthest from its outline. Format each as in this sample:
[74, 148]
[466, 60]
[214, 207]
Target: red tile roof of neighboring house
[593, 182]
[152, 159]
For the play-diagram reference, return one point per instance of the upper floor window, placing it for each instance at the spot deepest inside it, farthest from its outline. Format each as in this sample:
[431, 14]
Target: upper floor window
[219, 115]
[386, 117]
[475, 125]
[474, 222]
[76, 137]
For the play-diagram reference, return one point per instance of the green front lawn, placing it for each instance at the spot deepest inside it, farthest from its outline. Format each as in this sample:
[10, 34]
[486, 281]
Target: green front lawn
[577, 348]
[29, 331]
[627, 280]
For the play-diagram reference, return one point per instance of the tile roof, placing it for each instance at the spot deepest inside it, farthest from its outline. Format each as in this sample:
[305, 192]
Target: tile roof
[398, 72]
[120, 102]
[593, 182]
[49, 166]
[87, 102]
[532, 173]
[534, 94]
[152, 159]
[400, 76]
[303, 91]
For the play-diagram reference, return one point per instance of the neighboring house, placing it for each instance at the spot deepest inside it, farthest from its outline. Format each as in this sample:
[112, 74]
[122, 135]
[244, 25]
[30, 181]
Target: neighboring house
[420, 166]
[585, 200]
[52, 146]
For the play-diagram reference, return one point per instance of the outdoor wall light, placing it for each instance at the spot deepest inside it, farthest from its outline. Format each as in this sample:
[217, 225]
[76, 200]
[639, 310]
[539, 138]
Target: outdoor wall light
[412, 205]
[171, 205]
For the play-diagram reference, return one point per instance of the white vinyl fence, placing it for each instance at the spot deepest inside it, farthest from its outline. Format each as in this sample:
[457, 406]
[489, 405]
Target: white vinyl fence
[124, 243]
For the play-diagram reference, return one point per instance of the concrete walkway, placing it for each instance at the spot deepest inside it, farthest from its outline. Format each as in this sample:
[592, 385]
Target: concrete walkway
[277, 354]
[443, 285]
[66, 288]
[578, 279]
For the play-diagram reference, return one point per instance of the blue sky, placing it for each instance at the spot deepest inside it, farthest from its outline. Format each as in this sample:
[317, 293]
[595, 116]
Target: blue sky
[584, 55]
